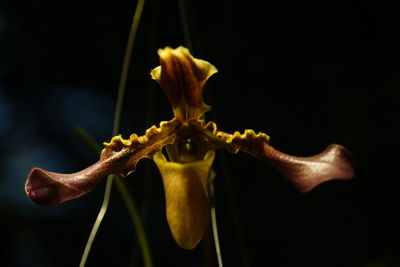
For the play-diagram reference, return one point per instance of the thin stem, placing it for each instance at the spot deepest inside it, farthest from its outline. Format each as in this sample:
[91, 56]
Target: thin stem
[185, 24]
[117, 120]
[126, 63]
[137, 222]
[214, 221]
[234, 212]
[98, 221]
[88, 139]
[128, 200]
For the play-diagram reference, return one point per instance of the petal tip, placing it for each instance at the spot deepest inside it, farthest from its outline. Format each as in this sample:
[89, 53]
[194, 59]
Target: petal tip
[40, 188]
[182, 77]
[334, 163]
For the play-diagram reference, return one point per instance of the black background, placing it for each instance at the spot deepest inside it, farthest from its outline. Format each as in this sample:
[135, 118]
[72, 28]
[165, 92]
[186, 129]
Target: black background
[308, 73]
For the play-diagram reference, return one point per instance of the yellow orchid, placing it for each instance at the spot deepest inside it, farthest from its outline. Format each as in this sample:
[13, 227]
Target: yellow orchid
[185, 163]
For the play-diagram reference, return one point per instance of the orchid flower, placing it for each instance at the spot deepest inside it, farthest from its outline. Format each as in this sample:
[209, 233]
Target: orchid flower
[183, 150]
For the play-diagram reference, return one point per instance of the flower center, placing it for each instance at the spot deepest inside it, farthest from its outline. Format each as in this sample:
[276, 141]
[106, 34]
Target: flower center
[189, 145]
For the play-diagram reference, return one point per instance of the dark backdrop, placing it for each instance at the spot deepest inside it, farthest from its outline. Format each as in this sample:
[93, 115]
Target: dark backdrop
[308, 73]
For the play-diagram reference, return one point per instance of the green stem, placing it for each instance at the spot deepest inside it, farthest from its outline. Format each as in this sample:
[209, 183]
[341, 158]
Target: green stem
[117, 120]
[136, 220]
[128, 201]
[126, 63]
[88, 140]
[98, 221]
[185, 24]
[214, 219]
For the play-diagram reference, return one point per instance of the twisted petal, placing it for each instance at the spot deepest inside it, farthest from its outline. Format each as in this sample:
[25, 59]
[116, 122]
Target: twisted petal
[50, 188]
[186, 195]
[304, 172]
[120, 156]
[182, 77]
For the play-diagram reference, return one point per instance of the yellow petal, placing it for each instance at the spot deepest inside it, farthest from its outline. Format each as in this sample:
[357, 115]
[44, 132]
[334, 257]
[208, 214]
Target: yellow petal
[186, 196]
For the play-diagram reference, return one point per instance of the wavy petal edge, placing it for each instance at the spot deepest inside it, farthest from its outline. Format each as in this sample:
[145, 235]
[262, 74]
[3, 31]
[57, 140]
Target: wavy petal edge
[182, 77]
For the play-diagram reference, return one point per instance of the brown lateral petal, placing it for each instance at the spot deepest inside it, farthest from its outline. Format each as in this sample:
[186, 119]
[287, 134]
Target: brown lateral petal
[304, 172]
[120, 156]
[182, 77]
[186, 195]
[50, 188]
[308, 172]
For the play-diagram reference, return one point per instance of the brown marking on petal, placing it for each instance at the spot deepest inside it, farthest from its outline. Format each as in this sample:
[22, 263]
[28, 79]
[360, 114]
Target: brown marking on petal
[186, 195]
[182, 77]
[119, 156]
[304, 172]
